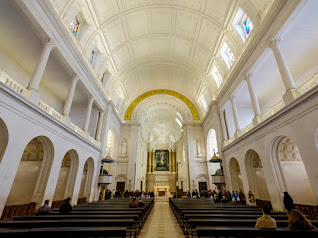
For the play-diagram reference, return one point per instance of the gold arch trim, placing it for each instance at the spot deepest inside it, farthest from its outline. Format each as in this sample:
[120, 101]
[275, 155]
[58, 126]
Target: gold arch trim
[134, 104]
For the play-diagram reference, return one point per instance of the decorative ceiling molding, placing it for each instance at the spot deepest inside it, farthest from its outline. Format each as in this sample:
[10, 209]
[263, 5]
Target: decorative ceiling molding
[191, 106]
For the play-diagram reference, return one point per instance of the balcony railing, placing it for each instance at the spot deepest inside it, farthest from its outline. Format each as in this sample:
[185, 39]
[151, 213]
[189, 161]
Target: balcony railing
[11, 83]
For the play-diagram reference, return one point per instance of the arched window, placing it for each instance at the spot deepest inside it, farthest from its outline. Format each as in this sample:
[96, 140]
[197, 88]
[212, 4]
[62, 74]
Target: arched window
[227, 55]
[243, 24]
[74, 26]
[91, 57]
[203, 101]
[217, 76]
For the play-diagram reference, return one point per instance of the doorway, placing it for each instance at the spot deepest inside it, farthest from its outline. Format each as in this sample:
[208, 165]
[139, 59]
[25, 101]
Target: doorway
[203, 186]
[121, 186]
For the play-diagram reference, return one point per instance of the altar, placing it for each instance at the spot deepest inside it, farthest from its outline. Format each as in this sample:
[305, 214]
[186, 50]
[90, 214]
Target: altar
[162, 190]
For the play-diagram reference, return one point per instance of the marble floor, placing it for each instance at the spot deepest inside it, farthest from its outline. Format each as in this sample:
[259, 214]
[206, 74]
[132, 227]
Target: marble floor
[161, 222]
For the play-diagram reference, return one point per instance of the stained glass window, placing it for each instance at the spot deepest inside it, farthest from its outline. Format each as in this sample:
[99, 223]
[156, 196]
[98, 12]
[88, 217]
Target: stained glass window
[248, 26]
[231, 56]
[217, 77]
[74, 26]
[91, 58]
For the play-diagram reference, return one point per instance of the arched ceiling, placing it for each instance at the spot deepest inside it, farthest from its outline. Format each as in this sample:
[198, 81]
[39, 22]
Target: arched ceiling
[159, 44]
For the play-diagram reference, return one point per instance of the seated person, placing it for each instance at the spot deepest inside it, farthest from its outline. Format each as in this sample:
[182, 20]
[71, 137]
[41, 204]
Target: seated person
[133, 203]
[66, 208]
[266, 221]
[141, 203]
[297, 221]
[198, 197]
[45, 209]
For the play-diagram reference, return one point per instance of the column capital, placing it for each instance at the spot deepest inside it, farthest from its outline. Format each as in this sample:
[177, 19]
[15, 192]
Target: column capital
[48, 42]
[221, 111]
[274, 43]
[75, 77]
[232, 98]
[248, 76]
[91, 99]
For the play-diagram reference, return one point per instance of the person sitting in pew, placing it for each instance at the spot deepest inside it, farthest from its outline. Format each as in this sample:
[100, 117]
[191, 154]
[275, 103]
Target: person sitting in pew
[45, 209]
[66, 208]
[297, 221]
[133, 203]
[141, 203]
[266, 221]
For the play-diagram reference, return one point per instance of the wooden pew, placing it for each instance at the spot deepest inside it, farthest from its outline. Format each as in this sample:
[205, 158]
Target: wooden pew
[65, 232]
[18, 210]
[249, 232]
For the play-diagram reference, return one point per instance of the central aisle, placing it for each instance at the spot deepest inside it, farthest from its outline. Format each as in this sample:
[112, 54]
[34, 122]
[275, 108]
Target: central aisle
[161, 222]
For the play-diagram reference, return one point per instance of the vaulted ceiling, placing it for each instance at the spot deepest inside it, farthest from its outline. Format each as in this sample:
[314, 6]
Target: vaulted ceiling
[159, 44]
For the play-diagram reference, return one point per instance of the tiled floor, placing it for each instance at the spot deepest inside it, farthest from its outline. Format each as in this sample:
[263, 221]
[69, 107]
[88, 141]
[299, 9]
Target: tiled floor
[161, 222]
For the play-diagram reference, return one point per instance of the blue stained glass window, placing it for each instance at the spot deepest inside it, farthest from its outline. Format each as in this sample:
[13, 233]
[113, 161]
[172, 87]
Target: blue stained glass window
[248, 26]
[74, 26]
[91, 58]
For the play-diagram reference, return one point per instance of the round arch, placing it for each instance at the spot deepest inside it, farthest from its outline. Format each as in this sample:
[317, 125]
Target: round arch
[235, 174]
[87, 179]
[67, 176]
[256, 176]
[34, 167]
[290, 171]
[4, 138]
[143, 96]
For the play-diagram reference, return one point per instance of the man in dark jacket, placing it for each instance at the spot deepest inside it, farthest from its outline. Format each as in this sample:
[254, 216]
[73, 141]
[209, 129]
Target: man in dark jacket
[66, 208]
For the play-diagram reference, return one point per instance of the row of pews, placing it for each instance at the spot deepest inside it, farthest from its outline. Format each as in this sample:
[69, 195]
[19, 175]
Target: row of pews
[204, 218]
[110, 218]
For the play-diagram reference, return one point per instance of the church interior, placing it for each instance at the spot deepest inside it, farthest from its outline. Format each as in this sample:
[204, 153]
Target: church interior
[169, 100]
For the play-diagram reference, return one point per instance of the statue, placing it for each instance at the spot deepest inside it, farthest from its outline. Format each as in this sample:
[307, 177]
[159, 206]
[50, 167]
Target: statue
[171, 137]
[198, 147]
[124, 147]
[151, 137]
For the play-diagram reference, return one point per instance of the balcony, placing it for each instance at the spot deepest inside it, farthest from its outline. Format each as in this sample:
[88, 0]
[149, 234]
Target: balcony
[105, 179]
[218, 179]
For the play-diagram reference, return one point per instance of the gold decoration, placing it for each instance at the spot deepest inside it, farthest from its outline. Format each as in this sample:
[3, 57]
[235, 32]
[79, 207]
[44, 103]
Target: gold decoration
[166, 92]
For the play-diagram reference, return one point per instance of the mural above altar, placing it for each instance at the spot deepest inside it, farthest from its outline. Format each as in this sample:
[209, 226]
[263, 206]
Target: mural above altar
[161, 160]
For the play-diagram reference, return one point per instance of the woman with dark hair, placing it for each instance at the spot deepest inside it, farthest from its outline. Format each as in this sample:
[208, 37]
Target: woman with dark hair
[297, 221]
[288, 202]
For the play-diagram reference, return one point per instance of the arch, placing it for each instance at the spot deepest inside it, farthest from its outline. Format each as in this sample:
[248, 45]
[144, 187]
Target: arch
[87, 179]
[235, 174]
[164, 92]
[290, 171]
[67, 176]
[4, 138]
[32, 175]
[212, 146]
[255, 175]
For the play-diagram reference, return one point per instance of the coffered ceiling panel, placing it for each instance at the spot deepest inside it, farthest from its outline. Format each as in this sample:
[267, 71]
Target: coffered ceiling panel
[141, 47]
[105, 11]
[218, 9]
[137, 23]
[186, 24]
[182, 47]
[161, 20]
[209, 34]
[114, 33]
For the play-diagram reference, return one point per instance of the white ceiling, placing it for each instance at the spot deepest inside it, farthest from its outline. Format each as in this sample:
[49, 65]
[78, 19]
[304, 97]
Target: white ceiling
[151, 44]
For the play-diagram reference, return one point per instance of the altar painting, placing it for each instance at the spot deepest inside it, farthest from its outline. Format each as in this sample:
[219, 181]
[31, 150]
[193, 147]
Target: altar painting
[161, 160]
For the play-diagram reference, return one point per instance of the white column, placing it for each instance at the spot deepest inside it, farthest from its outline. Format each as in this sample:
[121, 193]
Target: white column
[132, 170]
[284, 71]
[223, 125]
[99, 126]
[69, 99]
[39, 70]
[235, 114]
[88, 114]
[191, 157]
[255, 104]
